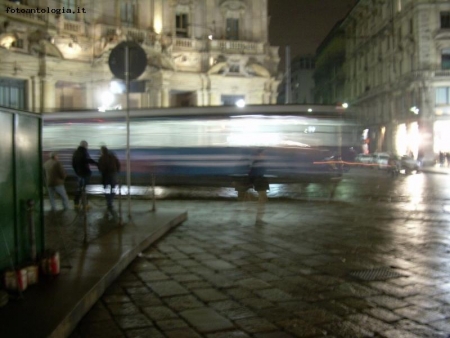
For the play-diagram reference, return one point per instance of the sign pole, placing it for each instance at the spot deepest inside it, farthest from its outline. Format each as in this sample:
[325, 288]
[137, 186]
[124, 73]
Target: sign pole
[122, 68]
[127, 81]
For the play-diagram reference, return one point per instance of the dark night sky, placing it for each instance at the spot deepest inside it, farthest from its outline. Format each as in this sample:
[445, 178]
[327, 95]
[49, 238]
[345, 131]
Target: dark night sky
[303, 24]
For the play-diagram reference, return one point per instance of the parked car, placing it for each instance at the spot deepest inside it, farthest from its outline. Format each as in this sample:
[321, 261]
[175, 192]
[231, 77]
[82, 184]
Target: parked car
[409, 164]
[364, 159]
[382, 160]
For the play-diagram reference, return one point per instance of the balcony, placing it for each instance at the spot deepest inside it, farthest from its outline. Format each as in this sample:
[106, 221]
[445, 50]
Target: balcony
[71, 27]
[244, 47]
[227, 46]
[24, 13]
[442, 73]
[189, 44]
[135, 34]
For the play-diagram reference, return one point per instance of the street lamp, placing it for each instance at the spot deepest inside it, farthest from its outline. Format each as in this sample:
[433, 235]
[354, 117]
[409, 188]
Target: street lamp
[240, 103]
[106, 99]
[414, 110]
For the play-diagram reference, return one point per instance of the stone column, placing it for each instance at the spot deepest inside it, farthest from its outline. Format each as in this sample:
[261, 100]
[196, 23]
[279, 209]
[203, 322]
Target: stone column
[145, 100]
[214, 98]
[266, 98]
[34, 102]
[165, 97]
[89, 95]
[201, 98]
[48, 92]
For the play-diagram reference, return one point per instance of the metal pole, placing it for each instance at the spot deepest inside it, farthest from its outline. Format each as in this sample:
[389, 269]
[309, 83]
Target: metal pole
[11, 261]
[153, 193]
[32, 230]
[127, 80]
[120, 203]
[340, 142]
[84, 206]
[288, 75]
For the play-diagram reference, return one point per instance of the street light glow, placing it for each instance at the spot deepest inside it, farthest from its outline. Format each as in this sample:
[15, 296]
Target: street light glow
[240, 103]
[414, 110]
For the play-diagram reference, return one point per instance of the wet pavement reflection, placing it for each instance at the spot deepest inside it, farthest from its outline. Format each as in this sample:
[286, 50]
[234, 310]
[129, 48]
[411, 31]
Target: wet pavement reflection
[357, 185]
[373, 262]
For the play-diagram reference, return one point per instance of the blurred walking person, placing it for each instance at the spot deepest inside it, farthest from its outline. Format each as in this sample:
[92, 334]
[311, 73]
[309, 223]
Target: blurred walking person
[54, 178]
[441, 158]
[109, 166]
[259, 183]
[80, 164]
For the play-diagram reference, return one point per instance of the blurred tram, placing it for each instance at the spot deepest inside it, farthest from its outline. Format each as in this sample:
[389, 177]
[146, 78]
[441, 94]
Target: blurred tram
[211, 146]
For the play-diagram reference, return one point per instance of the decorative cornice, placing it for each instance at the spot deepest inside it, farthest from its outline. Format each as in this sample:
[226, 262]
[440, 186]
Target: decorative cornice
[233, 5]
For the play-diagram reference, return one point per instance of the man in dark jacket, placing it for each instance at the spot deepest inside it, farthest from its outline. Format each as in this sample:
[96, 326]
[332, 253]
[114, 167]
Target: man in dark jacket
[109, 166]
[80, 164]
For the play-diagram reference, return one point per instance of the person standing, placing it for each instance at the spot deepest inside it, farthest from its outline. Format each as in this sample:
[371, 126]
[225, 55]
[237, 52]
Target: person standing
[80, 164]
[54, 178]
[109, 166]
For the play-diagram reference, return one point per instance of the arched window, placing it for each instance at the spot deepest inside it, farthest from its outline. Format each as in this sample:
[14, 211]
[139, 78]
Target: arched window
[233, 12]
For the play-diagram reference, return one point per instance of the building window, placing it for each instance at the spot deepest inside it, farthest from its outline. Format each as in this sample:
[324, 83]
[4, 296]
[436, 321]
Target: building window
[445, 59]
[235, 69]
[18, 43]
[445, 19]
[230, 100]
[442, 95]
[232, 29]
[182, 25]
[72, 5]
[127, 13]
[12, 93]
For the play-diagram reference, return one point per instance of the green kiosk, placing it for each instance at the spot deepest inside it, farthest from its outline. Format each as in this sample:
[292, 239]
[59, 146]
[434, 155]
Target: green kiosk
[21, 188]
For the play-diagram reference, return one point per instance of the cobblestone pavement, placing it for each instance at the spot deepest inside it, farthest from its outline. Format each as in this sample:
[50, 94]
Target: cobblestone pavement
[311, 269]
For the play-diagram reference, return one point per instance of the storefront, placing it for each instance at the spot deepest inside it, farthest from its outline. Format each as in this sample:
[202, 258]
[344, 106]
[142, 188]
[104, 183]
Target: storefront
[408, 139]
[441, 136]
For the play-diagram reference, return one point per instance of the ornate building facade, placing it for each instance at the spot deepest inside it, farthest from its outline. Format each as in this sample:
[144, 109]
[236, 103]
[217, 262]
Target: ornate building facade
[397, 74]
[199, 53]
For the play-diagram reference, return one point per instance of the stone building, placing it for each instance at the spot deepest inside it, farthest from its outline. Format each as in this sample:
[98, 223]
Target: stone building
[302, 81]
[329, 75]
[397, 74]
[199, 52]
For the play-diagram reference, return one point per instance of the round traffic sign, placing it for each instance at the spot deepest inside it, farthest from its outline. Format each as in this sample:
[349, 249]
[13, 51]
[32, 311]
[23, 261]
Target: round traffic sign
[137, 60]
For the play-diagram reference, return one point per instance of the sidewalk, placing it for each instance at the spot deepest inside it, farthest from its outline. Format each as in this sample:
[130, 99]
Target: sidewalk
[54, 306]
[436, 169]
[311, 269]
